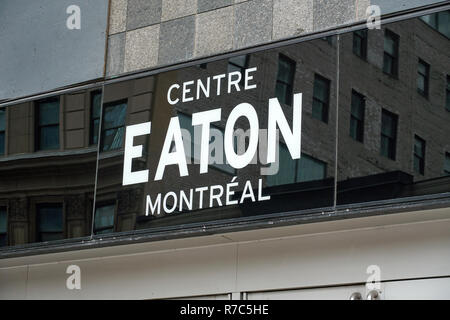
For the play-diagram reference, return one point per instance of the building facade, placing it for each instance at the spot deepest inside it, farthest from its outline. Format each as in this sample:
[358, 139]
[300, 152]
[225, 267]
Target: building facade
[365, 195]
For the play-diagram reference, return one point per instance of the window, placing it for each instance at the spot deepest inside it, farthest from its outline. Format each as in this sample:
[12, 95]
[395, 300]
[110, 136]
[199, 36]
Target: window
[192, 146]
[96, 105]
[390, 61]
[285, 79]
[447, 94]
[423, 77]
[290, 171]
[113, 127]
[239, 63]
[47, 124]
[50, 222]
[328, 39]
[447, 164]
[419, 155]
[357, 116]
[3, 227]
[360, 43]
[388, 134]
[321, 98]
[439, 21]
[104, 219]
[2, 130]
[310, 169]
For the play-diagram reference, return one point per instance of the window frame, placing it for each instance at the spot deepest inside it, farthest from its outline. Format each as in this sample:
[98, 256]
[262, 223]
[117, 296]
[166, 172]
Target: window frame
[92, 118]
[426, 77]
[296, 166]
[446, 158]
[363, 41]
[290, 86]
[105, 203]
[104, 107]
[326, 105]
[392, 152]
[4, 131]
[39, 205]
[360, 133]
[38, 127]
[421, 157]
[394, 58]
[5, 208]
[241, 68]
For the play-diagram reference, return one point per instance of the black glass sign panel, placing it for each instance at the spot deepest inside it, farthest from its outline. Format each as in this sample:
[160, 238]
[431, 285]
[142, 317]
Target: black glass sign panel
[231, 139]
[47, 169]
[394, 132]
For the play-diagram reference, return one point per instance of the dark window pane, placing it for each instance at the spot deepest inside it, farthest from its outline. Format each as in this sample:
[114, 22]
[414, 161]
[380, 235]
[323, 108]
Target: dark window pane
[239, 61]
[115, 116]
[283, 93]
[360, 43]
[48, 112]
[112, 139]
[285, 79]
[95, 124]
[3, 220]
[321, 98]
[104, 219]
[2, 119]
[113, 126]
[390, 61]
[423, 77]
[357, 117]
[96, 104]
[447, 163]
[50, 222]
[3, 240]
[311, 169]
[286, 169]
[419, 155]
[2, 143]
[388, 134]
[47, 124]
[49, 138]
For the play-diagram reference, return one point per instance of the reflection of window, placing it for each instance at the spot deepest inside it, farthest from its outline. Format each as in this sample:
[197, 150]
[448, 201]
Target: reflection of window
[50, 222]
[388, 134]
[3, 227]
[285, 79]
[321, 97]
[423, 77]
[304, 169]
[439, 21]
[2, 131]
[360, 43]
[96, 104]
[239, 63]
[419, 155]
[113, 127]
[357, 116]
[390, 61]
[104, 219]
[447, 163]
[328, 39]
[47, 124]
[447, 94]
[194, 144]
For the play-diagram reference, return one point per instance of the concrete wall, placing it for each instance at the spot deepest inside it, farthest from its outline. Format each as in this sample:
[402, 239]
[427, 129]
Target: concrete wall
[406, 247]
[152, 33]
